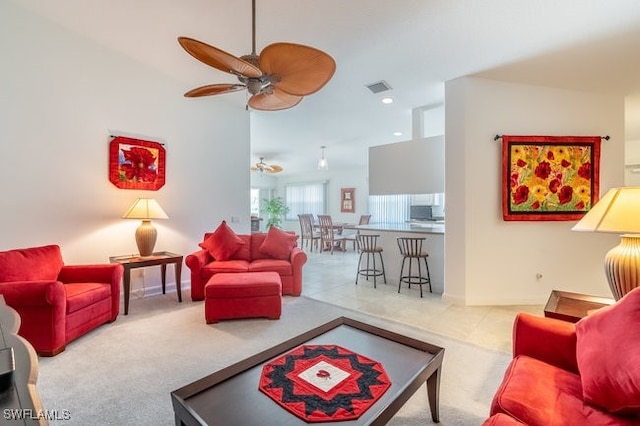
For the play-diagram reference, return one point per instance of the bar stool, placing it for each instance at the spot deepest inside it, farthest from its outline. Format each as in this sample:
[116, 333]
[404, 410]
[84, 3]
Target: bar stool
[411, 248]
[367, 244]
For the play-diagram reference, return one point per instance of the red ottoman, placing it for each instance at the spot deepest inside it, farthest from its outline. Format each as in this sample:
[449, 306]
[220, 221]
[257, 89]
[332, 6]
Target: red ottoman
[243, 295]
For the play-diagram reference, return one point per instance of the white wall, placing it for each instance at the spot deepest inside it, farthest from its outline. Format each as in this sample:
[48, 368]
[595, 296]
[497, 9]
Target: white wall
[336, 180]
[410, 167]
[487, 260]
[61, 97]
[632, 160]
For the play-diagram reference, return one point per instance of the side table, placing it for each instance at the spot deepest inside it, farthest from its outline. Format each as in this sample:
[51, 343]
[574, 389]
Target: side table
[572, 307]
[162, 258]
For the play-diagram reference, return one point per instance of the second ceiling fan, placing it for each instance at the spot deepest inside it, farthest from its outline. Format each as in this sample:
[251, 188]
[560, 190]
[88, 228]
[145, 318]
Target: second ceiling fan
[277, 79]
[263, 167]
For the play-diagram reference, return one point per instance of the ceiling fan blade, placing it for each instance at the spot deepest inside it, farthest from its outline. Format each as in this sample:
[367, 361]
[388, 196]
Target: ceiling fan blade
[218, 58]
[273, 169]
[214, 89]
[274, 101]
[266, 168]
[302, 70]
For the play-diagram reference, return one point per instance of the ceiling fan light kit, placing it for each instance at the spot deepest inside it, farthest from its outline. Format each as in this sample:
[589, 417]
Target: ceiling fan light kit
[277, 79]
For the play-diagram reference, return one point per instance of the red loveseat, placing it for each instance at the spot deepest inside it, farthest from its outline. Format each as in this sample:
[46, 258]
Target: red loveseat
[562, 373]
[224, 251]
[57, 303]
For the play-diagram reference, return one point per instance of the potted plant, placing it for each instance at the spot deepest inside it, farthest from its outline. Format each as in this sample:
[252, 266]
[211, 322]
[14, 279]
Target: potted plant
[275, 209]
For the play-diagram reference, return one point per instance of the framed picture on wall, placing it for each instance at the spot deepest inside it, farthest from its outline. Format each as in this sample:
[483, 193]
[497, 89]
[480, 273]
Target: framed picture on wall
[347, 200]
[136, 164]
[549, 177]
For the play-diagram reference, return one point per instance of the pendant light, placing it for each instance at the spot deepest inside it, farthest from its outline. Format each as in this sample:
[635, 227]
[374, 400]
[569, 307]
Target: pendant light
[322, 163]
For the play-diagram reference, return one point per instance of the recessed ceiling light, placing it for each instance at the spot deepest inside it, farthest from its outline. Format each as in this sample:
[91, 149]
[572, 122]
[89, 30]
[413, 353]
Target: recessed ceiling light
[397, 133]
[387, 100]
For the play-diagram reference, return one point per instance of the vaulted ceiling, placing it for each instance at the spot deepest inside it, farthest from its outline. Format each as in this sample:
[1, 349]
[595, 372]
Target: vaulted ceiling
[413, 45]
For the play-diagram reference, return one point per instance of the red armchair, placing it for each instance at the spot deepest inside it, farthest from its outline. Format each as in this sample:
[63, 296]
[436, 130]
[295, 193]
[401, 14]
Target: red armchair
[573, 374]
[57, 303]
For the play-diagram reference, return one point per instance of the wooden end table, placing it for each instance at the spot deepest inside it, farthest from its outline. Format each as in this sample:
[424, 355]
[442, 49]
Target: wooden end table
[162, 258]
[572, 307]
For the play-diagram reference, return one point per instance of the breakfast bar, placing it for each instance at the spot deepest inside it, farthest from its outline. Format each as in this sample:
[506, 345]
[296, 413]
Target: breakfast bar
[432, 231]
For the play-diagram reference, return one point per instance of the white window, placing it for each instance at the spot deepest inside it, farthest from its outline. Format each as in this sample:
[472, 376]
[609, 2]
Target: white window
[305, 198]
[258, 195]
[389, 208]
[397, 208]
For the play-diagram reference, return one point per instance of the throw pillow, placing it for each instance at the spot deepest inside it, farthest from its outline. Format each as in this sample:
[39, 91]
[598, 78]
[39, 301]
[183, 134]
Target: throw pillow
[223, 243]
[278, 243]
[608, 354]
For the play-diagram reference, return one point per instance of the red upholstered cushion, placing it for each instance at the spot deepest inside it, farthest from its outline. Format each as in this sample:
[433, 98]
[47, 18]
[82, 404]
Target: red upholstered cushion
[278, 243]
[222, 266]
[243, 285]
[223, 243]
[81, 295]
[282, 267]
[537, 393]
[257, 238]
[608, 352]
[244, 252]
[36, 263]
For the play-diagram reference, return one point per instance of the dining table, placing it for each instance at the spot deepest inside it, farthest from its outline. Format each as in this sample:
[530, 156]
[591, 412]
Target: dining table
[338, 228]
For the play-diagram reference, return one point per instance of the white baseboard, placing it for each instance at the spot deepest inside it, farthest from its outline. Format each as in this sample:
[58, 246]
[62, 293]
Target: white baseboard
[155, 290]
[455, 300]
[491, 300]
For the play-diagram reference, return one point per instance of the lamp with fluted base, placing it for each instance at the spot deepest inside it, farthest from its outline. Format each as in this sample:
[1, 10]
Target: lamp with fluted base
[618, 212]
[146, 235]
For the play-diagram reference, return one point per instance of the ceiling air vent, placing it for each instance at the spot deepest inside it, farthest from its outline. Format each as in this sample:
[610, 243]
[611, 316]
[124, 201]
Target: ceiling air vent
[378, 87]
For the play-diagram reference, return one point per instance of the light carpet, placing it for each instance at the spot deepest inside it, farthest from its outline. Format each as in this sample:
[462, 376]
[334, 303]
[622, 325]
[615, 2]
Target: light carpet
[123, 373]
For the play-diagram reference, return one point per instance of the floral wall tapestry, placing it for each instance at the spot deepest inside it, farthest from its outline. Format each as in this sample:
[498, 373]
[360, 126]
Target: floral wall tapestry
[549, 177]
[136, 164]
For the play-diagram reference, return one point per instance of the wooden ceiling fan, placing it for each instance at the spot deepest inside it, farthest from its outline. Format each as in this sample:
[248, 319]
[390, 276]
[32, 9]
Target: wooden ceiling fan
[263, 167]
[277, 79]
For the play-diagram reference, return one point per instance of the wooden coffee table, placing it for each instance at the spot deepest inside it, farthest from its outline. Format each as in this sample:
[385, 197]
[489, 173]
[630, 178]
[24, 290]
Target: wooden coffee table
[572, 307]
[231, 395]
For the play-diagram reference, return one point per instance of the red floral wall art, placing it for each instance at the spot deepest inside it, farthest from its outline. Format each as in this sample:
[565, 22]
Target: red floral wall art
[136, 164]
[549, 177]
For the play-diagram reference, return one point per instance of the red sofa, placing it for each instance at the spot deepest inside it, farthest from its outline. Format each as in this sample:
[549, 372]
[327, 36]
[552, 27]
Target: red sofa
[562, 373]
[248, 254]
[57, 303]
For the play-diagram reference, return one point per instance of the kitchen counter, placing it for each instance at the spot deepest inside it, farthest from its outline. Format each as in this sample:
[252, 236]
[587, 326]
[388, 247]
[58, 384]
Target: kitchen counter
[432, 232]
[435, 227]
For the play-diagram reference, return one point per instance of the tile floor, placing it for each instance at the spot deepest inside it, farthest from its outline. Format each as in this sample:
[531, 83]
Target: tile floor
[331, 278]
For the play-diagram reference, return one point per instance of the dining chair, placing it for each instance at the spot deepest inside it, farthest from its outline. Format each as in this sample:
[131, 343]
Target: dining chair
[353, 237]
[306, 231]
[329, 240]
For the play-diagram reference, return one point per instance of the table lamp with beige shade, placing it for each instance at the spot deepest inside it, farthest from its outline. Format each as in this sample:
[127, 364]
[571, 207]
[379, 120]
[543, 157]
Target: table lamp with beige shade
[618, 212]
[146, 235]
